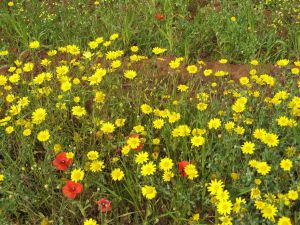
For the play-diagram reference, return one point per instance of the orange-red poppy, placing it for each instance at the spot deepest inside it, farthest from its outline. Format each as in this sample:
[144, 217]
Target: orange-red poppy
[61, 162]
[72, 189]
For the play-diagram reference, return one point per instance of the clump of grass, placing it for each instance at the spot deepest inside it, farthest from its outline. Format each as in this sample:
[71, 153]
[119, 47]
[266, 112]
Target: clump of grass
[190, 28]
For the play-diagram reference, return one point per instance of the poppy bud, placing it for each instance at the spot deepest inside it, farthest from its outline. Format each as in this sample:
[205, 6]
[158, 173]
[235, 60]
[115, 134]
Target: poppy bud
[104, 205]
[159, 17]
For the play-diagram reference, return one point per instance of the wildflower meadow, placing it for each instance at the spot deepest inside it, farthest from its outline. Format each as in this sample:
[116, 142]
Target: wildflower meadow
[150, 112]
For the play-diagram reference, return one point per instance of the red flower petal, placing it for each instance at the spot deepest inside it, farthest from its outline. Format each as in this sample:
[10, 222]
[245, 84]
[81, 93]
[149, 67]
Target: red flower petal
[72, 189]
[61, 162]
[104, 205]
[181, 166]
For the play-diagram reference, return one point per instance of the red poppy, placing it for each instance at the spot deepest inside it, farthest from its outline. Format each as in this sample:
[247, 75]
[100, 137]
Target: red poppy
[159, 17]
[181, 166]
[61, 162]
[72, 189]
[104, 205]
[138, 148]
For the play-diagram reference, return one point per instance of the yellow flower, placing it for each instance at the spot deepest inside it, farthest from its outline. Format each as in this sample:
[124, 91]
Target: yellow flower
[173, 117]
[191, 171]
[107, 43]
[70, 155]
[62, 70]
[38, 116]
[293, 195]
[43, 135]
[51, 52]
[133, 142]
[166, 164]
[65, 86]
[93, 44]
[134, 48]
[214, 84]
[244, 80]
[112, 55]
[215, 186]
[198, 132]
[224, 207]
[195, 217]
[4, 53]
[235, 176]
[259, 133]
[197, 141]
[214, 123]
[286, 164]
[148, 169]
[181, 131]
[90, 222]
[282, 62]
[229, 126]
[97, 166]
[158, 123]
[125, 150]
[207, 72]
[130, 74]
[255, 193]
[120, 122]
[9, 129]
[168, 175]
[78, 111]
[174, 64]
[76, 81]
[93, 155]
[27, 67]
[97, 77]
[139, 129]
[295, 71]
[34, 44]
[233, 19]
[223, 61]
[107, 128]
[270, 139]
[158, 50]
[222, 195]
[76, 99]
[269, 211]
[2, 177]
[254, 62]
[99, 97]
[146, 109]
[284, 221]
[114, 36]
[156, 141]
[283, 121]
[45, 62]
[117, 174]
[248, 147]
[3, 80]
[141, 157]
[115, 64]
[182, 88]
[263, 168]
[57, 148]
[77, 175]
[149, 192]
[26, 132]
[192, 69]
